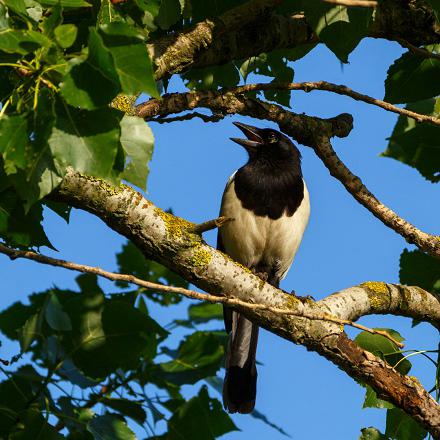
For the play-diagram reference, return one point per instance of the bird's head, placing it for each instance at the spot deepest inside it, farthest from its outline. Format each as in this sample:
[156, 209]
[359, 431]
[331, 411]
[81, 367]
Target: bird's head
[266, 142]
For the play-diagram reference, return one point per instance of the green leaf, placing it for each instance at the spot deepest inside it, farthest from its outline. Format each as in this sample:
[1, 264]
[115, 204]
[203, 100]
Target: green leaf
[137, 140]
[51, 21]
[32, 424]
[86, 140]
[55, 316]
[131, 260]
[372, 401]
[417, 145]
[384, 348]
[13, 139]
[107, 334]
[22, 42]
[201, 9]
[169, 13]
[412, 78]
[17, 6]
[212, 421]
[212, 78]
[30, 331]
[419, 269]
[17, 227]
[204, 312]
[199, 355]
[39, 177]
[435, 5]
[126, 407]
[65, 35]
[4, 22]
[66, 3]
[110, 427]
[400, 426]
[129, 52]
[343, 35]
[14, 396]
[372, 434]
[91, 82]
[62, 209]
[340, 28]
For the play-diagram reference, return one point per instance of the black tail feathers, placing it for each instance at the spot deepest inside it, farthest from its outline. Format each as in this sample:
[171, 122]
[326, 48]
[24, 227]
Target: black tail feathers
[240, 385]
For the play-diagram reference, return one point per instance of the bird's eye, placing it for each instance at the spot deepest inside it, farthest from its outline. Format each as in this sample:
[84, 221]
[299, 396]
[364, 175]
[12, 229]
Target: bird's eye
[272, 138]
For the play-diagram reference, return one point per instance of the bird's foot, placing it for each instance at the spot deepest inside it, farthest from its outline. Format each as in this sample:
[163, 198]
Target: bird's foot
[263, 275]
[304, 299]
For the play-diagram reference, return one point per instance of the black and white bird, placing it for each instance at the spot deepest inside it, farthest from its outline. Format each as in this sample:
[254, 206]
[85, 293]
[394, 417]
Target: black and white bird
[269, 202]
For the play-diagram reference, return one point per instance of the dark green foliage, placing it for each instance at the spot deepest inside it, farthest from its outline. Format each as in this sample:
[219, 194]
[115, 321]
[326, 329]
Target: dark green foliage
[419, 269]
[399, 425]
[412, 78]
[131, 261]
[402, 427]
[92, 365]
[417, 145]
[103, 343]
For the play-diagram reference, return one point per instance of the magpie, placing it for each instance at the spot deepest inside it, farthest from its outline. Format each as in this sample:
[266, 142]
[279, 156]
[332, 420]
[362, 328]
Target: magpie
[269, 202]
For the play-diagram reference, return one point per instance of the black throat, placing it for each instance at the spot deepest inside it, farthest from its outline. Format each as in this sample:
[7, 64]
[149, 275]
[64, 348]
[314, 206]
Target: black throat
[270, 186]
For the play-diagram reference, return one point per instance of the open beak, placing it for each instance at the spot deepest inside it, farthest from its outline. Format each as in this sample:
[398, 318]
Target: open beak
[253, 141]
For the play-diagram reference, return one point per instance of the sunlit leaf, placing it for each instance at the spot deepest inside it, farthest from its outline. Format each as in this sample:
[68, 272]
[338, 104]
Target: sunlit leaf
[137, 140]
[110, 427]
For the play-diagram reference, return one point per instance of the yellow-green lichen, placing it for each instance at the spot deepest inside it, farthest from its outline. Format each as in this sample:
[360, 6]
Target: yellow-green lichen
[176, 227]
[201, 257]
[125, 103]
[292, 302]
[378, 294]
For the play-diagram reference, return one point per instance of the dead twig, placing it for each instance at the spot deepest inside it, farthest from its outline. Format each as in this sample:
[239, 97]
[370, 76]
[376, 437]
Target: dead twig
[230, 301]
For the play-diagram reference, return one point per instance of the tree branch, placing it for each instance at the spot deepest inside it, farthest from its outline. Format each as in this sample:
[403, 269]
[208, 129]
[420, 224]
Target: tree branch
[180, 50]
[410, 20]
[311, 131]
[227, 300]
[166, 238]
[340, 90]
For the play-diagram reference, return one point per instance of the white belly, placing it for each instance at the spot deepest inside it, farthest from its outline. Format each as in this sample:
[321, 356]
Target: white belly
[252, 240]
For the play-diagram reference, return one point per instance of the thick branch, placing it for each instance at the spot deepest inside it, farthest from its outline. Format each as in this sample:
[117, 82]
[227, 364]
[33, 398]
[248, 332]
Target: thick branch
[180, 50]
[410, 20]
[166, 237]
[310, 131]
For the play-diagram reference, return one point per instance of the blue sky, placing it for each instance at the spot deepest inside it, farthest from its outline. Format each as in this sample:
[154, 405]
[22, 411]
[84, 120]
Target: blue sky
[344, 244]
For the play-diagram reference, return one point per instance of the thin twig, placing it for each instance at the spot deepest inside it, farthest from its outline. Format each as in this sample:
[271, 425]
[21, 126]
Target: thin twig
[230, 301]
[360, 3]
[419, 51]
[340, 90]
[205, 118]
[210, 224]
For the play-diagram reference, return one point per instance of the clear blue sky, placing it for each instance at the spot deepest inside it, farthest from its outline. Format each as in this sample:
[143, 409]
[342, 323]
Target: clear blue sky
[344, 244]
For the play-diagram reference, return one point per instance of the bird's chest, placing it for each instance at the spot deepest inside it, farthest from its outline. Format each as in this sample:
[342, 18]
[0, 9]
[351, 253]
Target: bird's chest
[256, 240]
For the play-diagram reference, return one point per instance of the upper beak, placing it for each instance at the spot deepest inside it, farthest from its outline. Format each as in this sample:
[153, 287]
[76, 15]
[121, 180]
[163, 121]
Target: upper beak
[253, 141]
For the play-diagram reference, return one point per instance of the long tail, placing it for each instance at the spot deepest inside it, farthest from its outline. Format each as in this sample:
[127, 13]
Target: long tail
[240, 384]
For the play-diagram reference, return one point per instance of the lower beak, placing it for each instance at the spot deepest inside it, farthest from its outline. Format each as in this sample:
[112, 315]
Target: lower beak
[253, 141]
